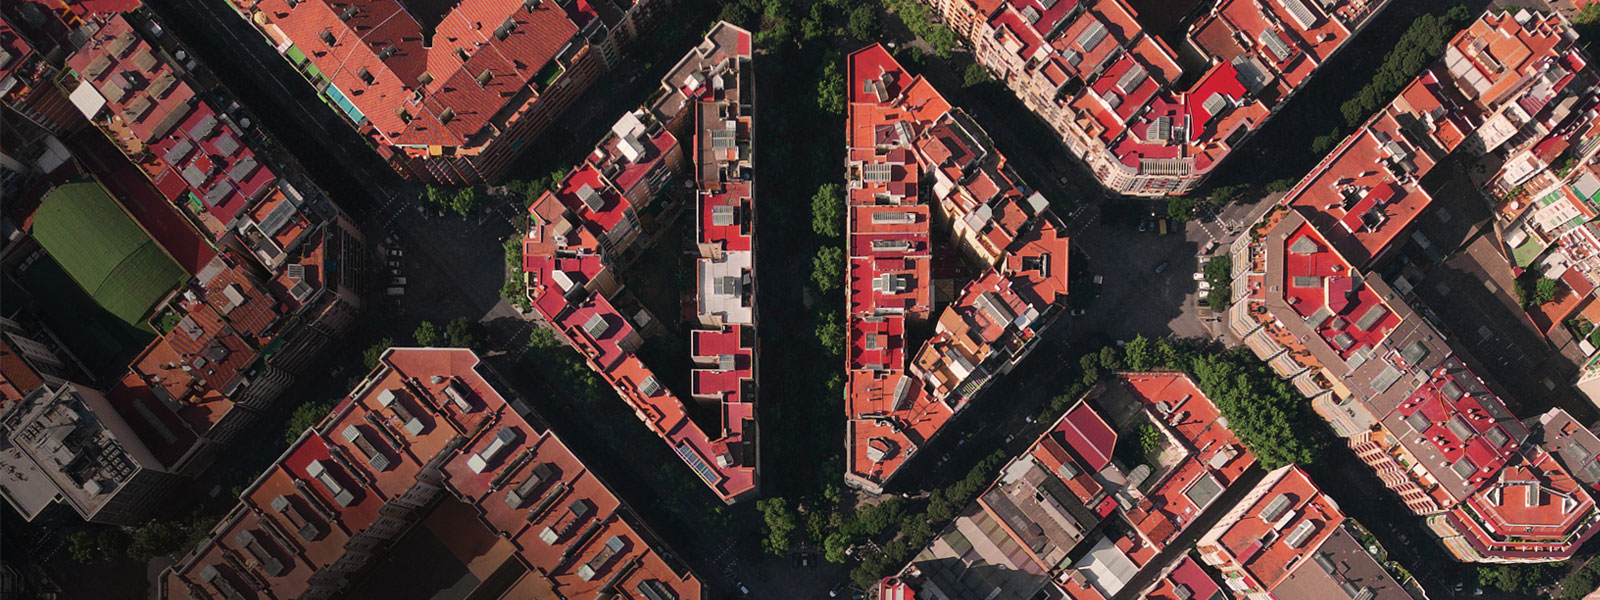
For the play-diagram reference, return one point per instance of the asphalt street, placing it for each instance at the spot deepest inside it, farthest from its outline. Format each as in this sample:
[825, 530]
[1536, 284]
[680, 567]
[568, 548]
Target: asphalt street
[456, 266]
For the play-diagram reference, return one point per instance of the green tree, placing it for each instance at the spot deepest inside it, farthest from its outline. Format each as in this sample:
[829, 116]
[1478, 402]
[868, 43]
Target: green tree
[460, 333]
[827, 210]
[1281, 185]
[1545, 291]
[426, 334]
[512, 247]
[780, 522]
[1587, 21]
[157, 538]
[1582, 580]
[435, 197]
[827, 268]
[85, 548]
[1138, 355]
[1513, 579]
[1110, 359]
[864, 22]
[835, 547]
[304, 417]
[1149, 438]
[543, 338]
[736, 13]
[1180, 209]
[464, 201]
[375, 352]
[831, 88]
[830, 332]
[975, 75]
[1262, 410]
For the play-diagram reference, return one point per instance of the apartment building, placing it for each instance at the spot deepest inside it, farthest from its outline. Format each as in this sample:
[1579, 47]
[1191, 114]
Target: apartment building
[1385, 378]
[1147, 119]
[65, 444]
[242, 268]
[579, 232]
[450, 98]
[426, 478]
[903, 136]
[1286, 539]
[1072, 518]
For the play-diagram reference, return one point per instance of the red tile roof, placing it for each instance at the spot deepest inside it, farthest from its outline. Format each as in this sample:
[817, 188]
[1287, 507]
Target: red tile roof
[425, 407]
[194, 149]
[1284, 524]
[445, 89]
[567, 270]
[1129, 75]
[900, 127]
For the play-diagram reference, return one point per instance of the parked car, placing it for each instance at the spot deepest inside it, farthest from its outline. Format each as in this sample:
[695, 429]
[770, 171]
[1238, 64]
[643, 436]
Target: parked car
[395, 291]
[1199, 276]
[397, 281]
[1077, 312]
[1161, 267]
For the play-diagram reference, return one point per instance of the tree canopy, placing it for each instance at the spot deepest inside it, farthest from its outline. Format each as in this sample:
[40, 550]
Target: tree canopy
[827, 268]
[827, 210]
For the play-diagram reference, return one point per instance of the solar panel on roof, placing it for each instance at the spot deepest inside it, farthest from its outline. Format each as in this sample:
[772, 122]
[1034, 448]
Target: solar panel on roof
[242, 169]
[300, 291]
[1458, 426]
[1300, 534]
[722, 215]
[903, 218]
[591, 198]
[1386, 378]
[193, 175]
[1160, 130]
[1216, 103]
[1371, 317]
[203, 127]
[1415, 352]
[1418, 422]
[1091, 37]
[218, 193]
[178, 151]
[1451, 390]
[650, 386]
[1031, 14]
[1275, 508]
[276, 219]
[1306, 281]
[1464, 467]
[1274, 44]
[995, 309]
[1496, 437]
[1072, 57]
[1302, 14]
[697, 463]
[655, 590]
[876, 172]
[1133, 79]
[596, 326]
[722, 139]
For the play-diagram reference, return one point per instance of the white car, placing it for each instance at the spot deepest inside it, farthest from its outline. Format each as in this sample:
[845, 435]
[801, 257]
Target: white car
[1199, 276]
